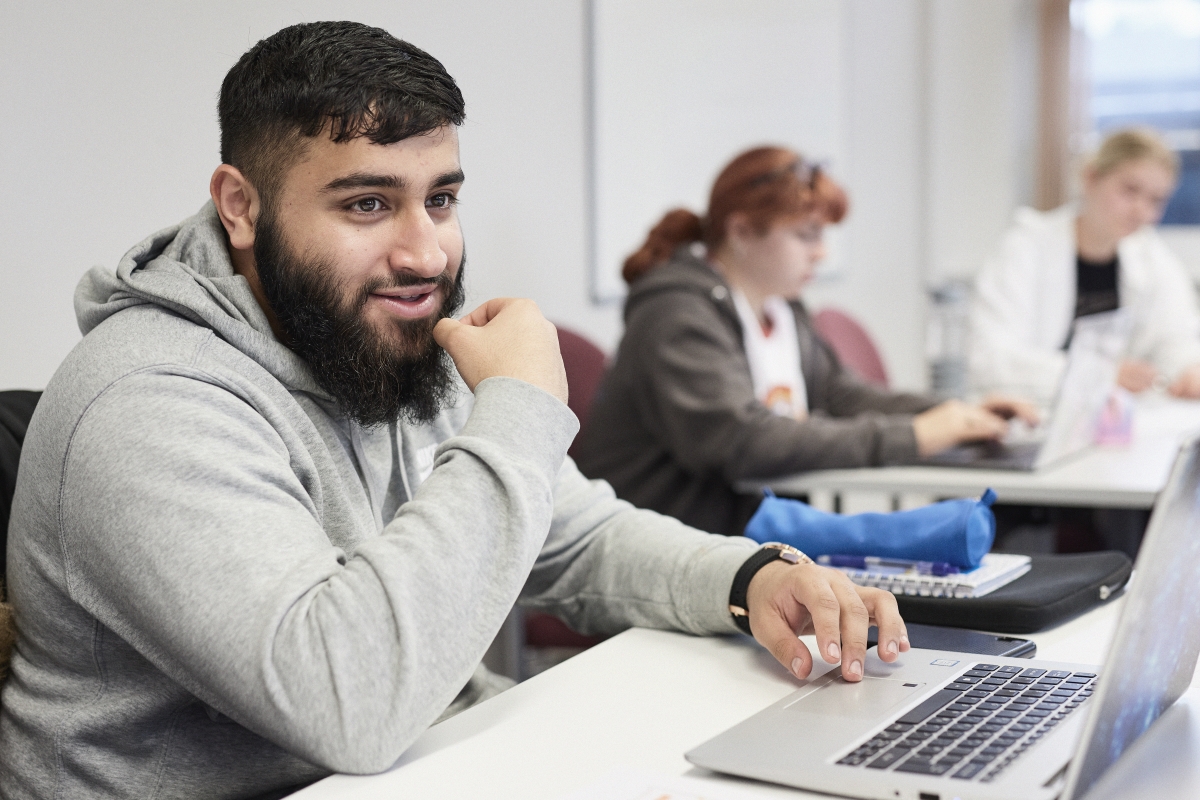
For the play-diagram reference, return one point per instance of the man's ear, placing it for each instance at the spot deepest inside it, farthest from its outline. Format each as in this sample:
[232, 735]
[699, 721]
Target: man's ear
[237, 204]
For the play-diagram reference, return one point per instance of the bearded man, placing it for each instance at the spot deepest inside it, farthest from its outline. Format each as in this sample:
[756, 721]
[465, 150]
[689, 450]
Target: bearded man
[262, 530]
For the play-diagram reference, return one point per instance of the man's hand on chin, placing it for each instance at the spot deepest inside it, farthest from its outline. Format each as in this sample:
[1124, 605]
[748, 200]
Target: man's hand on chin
[505, 337]
[787, 600]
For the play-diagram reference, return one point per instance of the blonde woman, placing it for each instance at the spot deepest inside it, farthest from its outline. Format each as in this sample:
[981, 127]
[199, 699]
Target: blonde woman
[1099, 254]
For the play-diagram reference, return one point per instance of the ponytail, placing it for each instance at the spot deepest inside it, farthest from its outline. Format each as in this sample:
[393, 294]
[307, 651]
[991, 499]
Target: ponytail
[678, 226]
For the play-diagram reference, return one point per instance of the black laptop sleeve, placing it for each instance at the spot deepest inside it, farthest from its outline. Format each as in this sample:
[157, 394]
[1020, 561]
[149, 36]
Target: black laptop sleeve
[1056, 588]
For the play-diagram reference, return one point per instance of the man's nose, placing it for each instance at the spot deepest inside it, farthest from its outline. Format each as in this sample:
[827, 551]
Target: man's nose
[415, 247]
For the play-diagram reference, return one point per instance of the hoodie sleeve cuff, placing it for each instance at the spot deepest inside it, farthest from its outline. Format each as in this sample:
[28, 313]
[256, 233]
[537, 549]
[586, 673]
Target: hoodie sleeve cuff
[521, 418]
[710, 579]
[897, 441]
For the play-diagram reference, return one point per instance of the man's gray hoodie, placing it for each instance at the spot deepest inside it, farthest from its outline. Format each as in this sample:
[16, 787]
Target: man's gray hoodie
[224, 588]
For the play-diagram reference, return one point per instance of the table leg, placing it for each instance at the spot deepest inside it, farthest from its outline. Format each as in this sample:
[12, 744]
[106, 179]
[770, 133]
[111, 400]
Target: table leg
[824, 500]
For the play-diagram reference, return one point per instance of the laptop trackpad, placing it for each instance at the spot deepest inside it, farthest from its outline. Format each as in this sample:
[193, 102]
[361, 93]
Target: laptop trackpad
[868, 698]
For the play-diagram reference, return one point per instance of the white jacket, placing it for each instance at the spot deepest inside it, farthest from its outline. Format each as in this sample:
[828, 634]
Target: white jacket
[1025, 302]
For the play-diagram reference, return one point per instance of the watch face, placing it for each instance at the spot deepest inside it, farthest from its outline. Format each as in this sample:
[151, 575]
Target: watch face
[789, 553]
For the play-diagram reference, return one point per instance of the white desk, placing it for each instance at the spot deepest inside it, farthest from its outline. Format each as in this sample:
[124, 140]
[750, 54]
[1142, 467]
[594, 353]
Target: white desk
[643, 698]
[1100, 477]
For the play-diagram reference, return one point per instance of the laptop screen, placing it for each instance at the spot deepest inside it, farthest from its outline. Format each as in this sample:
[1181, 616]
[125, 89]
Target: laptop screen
[1098, 343]
[1154, 651]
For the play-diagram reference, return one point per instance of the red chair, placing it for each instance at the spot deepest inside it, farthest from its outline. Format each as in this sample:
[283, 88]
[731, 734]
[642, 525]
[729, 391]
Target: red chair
[852, 344]
[584, 363]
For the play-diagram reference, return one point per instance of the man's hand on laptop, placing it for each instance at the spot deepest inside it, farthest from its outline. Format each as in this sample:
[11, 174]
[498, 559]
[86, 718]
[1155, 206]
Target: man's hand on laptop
[786, 601]
[505, 337]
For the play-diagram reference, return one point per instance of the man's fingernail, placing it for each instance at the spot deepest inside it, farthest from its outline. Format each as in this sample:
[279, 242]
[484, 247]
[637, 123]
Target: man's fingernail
[835, 652]
[856, 669]
[892, 648]
[796, 667]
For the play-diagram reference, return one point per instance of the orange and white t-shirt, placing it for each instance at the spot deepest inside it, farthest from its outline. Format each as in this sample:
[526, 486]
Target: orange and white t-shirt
[774, 356]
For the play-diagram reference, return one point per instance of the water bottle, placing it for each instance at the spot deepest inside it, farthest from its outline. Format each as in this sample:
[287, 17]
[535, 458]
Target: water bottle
[946, 338]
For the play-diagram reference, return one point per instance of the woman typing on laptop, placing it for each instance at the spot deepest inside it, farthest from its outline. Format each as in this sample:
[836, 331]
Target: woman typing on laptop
[720, 375]
[1081, 259]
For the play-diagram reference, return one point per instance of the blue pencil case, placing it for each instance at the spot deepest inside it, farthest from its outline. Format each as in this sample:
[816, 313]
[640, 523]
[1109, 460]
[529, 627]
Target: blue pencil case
[959, 532]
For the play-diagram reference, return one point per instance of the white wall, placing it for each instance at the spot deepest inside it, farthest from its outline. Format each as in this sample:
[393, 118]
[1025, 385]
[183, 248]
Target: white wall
[111, 134]
[982, 98]
[882, 283]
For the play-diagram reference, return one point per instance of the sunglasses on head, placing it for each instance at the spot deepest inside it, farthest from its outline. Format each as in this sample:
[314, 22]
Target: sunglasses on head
[806, 173]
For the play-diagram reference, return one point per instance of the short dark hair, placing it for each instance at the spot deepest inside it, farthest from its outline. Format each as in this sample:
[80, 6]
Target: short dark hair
[343, 78]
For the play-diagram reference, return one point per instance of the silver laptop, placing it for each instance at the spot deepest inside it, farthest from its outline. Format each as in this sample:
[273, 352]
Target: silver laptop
[1098, 342]
[939, 724]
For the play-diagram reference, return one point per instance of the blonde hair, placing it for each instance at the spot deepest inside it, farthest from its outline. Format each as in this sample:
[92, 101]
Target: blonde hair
[1132, 144]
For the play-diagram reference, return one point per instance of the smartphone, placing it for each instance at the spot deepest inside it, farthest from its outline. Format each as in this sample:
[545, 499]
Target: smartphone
[961, 640]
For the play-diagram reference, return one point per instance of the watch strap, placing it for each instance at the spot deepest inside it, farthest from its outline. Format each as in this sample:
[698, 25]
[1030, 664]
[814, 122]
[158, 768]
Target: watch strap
[772, 551]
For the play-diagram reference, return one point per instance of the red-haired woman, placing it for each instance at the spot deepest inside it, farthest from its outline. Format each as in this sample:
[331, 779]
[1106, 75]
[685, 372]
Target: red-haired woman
[720, 376]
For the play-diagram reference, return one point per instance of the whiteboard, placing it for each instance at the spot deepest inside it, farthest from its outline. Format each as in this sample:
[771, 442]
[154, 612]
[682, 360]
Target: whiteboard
[678, 87]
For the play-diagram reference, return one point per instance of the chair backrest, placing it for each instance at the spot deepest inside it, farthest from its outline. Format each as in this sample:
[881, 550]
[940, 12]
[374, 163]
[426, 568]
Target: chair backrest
[852, 344]
[16, 407]
[584, 363]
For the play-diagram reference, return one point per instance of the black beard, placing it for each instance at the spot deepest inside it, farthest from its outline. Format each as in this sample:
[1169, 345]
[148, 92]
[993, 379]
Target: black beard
[375, 379]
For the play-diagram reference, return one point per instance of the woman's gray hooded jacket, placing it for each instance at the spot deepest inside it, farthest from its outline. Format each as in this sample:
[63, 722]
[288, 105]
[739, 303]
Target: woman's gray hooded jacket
[675, 423]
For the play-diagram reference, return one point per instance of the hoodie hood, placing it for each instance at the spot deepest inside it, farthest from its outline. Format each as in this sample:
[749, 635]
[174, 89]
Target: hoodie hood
[689, 272]
[684, 272]
[187, 270]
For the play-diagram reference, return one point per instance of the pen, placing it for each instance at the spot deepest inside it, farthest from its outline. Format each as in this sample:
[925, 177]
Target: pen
[936, 568]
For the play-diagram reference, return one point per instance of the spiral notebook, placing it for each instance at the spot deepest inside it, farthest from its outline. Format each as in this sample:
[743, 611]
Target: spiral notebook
[996, 570]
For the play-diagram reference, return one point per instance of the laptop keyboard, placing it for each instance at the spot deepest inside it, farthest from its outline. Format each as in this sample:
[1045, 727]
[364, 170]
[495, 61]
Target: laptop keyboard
[975, 726]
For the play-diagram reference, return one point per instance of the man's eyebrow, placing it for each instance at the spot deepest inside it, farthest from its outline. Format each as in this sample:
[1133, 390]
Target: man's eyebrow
[449, 179]
[363, 180]
[370, 180]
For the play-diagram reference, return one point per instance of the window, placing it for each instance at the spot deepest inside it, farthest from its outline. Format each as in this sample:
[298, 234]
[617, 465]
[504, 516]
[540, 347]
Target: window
[1140, 61]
